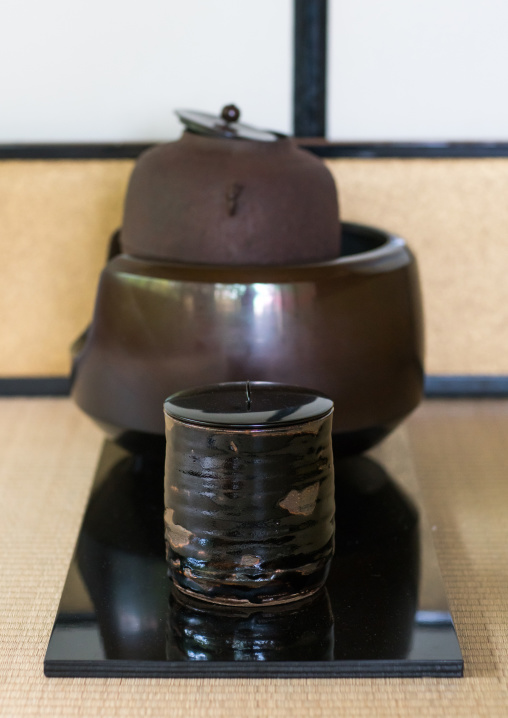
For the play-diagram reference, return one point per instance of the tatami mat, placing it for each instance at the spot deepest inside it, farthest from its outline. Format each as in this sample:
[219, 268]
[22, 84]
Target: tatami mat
[458, 451]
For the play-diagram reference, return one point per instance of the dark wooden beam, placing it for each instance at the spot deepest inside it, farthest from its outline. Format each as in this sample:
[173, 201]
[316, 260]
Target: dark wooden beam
[309, 80]
[319, 146]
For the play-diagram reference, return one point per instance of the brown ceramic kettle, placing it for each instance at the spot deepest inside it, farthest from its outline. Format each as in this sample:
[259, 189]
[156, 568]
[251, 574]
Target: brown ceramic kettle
[232, 265]
[226, 193]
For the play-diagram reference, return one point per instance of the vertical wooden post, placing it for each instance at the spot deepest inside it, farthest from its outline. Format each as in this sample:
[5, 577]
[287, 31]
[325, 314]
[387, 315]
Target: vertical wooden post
[309, 79]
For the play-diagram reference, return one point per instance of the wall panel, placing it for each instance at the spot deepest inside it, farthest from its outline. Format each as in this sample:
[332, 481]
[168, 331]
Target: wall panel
[56, 218]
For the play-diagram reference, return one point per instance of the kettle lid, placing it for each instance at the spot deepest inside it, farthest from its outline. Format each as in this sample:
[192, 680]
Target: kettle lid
[226, 125]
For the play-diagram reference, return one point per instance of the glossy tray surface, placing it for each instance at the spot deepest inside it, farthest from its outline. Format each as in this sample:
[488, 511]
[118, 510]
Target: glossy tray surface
[383, 611]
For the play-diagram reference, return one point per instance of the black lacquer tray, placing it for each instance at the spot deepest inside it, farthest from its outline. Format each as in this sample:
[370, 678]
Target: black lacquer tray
[383, 611]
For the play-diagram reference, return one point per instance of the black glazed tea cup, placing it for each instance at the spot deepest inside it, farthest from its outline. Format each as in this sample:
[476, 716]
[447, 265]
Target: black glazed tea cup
[249, 492]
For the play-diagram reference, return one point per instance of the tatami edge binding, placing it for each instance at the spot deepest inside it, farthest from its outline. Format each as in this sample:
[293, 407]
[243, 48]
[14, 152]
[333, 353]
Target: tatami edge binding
[436, 386]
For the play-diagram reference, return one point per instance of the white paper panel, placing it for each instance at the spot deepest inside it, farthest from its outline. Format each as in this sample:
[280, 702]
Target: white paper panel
[418, 70]
[114, 70]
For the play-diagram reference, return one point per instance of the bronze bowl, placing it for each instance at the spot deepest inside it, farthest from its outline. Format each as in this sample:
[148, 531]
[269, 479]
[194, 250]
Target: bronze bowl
[350, 328]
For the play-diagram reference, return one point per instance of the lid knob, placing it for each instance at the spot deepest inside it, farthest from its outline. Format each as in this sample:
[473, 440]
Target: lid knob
[230, 113]
[226, 125]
